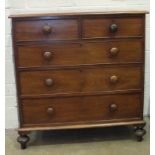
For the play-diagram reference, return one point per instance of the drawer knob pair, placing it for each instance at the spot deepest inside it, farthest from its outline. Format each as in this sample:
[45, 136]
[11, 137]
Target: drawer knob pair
[113, 107]
[113, 79]
[114, 51]
[49, 82]
[48, 55]
[50, 111]
[113, 28]
[47, 29]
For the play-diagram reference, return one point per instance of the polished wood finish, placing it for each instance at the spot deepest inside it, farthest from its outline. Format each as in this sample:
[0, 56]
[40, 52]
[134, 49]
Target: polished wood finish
[80, 80]
[25, 15]
[78, 109]
[79, 70]
[80, 53]
[113, 27]
[135, 122]
[46, 30]
[140, 132]
[23, 139]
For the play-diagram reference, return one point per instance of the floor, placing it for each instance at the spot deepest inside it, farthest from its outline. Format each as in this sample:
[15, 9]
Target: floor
[105, 141]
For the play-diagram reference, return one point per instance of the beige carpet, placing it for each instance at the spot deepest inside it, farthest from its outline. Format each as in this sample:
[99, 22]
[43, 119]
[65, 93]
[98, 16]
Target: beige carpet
[105, 141]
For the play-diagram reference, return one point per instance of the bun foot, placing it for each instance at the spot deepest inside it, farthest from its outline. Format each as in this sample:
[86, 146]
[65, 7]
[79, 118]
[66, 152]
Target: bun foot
[23, 139]
[140, 132]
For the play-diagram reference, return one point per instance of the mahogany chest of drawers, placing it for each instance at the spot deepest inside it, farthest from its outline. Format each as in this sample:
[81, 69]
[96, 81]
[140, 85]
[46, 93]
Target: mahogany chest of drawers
[80, 70]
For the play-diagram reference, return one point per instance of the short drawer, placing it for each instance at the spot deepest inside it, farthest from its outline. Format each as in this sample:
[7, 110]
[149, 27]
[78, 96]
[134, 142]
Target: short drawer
[81, 109]
[77, 54]
[113, 27]
[46, 30]
[92, 79]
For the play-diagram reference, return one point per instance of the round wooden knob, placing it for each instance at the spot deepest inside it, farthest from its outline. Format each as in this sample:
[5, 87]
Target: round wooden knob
[49, 82]
[47, 29]
[113, 79]
[114, 51]
[113, 107]
[113, 27]
[50, 111]
[47, 55]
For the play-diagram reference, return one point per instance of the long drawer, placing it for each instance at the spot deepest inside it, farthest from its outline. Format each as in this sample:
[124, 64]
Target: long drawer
[121, 51]
[81, 109]
[91, 79]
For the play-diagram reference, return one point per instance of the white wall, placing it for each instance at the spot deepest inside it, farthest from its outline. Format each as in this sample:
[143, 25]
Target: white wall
[22, 6]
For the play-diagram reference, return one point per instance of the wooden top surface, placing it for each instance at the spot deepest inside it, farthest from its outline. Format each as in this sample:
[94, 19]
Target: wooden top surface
[23, 15]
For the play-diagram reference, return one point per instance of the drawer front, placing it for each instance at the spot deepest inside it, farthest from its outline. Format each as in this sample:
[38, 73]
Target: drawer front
[113, 27]
[80, 80]
[76, 109]
[76, 54]
[46, 30]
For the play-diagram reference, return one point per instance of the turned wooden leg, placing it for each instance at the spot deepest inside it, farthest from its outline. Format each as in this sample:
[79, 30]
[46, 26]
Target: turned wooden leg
[23, 139]
[140, 132]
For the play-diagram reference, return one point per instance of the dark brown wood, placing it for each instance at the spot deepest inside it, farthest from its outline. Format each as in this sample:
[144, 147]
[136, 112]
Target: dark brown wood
[23, 139]
[80, 80]
[113, 79]
[37, 30]
[109, 65]
[140, 132]
[78, 14]
[47, 29]
[114, 51]
[113, 107]
[15, 59]
[81, 94]
[80, 53]
[76, 109]
[96, 124]
[49, 82]
[100, 28]
[50, 111]
[47, 55]
[79, 70]
[113, 28]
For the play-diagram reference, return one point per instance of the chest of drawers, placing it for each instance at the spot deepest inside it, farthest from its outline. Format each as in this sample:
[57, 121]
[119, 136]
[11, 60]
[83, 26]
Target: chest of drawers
[82, 70]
